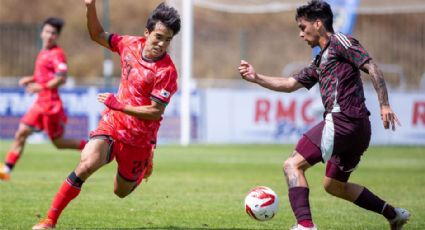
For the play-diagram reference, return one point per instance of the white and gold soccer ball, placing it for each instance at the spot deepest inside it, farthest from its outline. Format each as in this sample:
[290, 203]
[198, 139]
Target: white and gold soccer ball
[261, 203]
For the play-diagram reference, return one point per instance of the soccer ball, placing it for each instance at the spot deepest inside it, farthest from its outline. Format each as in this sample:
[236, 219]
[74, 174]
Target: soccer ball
[261, 203]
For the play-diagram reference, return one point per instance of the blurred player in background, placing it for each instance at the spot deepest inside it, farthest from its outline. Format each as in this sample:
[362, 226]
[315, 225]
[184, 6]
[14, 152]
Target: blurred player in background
[344, 135]
[47, 112]
[128, 128]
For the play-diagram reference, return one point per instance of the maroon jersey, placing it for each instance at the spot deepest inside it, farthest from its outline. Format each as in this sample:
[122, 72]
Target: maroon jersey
[336, 69]
[50, 63]
[142, 81]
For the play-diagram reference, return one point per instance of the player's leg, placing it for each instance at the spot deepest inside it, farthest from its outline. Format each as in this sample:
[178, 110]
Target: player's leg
[305, 155]
[15, 150]
[348, 149]
[123, 187]
[94, 155]
[62, 143]
[335, 183]
[133, 165]
[55, 128]
[338, 186]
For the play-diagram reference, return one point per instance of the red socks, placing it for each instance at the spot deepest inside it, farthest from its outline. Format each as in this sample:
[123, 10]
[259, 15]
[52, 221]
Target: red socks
[70, 189]
[306, 223]
[298, 198]
[11, 159]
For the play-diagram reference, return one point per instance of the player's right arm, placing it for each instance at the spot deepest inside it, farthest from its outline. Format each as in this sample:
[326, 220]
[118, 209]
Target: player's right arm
[281, 84]
[94, 27]
[26, 80]
[153, 111]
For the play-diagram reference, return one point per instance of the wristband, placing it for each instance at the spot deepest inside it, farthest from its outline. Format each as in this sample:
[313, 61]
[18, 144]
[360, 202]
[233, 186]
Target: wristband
[112, 103]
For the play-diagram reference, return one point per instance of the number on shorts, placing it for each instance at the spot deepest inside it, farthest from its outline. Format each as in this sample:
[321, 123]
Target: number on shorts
[137, 167]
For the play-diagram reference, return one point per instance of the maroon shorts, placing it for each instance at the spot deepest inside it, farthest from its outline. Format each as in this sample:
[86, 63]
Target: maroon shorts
[52, 124]
[133, 161]
[343, 138]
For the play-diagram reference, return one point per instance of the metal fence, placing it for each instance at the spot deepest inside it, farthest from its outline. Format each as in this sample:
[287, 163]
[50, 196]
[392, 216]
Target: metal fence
[18, 49]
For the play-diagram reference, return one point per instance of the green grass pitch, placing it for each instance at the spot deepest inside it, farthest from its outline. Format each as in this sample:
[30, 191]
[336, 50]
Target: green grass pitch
[203, 187]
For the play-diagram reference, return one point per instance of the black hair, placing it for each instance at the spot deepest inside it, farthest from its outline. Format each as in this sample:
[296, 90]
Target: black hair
[57, 23]
[166, 15]
[317, 9]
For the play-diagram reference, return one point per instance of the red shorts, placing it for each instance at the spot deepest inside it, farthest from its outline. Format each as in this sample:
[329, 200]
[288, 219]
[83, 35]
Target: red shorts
[132, 161]
[52, 124]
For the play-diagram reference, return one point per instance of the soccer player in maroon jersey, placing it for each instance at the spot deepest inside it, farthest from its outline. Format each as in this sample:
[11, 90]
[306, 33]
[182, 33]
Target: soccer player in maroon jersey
[343, 136]
[47, 112]
[128, 128]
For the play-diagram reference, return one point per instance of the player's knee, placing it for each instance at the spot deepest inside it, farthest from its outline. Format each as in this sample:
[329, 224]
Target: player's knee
[333, 188]
[22, 134]
[58, 144]
[289, 166]
[85, 169]
[328, 187]
[121, 193]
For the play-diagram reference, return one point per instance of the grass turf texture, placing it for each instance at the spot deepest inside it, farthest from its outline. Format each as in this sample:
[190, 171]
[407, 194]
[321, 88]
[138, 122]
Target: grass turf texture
[203, 187]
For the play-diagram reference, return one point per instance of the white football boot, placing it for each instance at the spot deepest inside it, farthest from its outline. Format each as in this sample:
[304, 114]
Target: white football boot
[300, 227]
[401, 218]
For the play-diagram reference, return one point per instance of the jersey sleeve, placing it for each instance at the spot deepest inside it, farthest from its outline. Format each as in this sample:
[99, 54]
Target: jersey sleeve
[351, 50]
[308, 76]
[59, 63]
[116, 42]
[165, 86]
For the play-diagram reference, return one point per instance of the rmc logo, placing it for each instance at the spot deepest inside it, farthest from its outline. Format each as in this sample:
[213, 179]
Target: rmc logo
[291, 117]
[418, 116]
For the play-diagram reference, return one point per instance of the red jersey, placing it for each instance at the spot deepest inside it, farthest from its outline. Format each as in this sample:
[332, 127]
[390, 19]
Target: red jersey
[50, 63]
[142, 81]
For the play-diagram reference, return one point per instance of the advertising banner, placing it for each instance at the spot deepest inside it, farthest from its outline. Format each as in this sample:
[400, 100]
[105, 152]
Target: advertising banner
[261, 116]
[83, 111]
[230, 116]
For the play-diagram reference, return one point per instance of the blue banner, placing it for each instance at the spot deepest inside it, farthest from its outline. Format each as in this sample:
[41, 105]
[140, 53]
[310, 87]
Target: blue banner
[344, 17]
[83, 111]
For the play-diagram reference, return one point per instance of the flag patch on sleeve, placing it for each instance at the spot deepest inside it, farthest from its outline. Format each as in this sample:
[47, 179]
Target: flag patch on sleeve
[62, 67]
[165, 93]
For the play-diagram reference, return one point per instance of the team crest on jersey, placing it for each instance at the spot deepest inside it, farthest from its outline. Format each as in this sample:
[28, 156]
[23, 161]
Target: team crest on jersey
[165, 93]
[128, 58]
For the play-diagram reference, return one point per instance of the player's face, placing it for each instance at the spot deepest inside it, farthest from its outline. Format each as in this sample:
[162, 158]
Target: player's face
[49, 36]
[157, 41]
[309, 31]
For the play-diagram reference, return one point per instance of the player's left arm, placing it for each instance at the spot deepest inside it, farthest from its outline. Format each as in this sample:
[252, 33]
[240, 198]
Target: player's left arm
[351, 50]
[56, 82]
[153, 111]
[389, 118]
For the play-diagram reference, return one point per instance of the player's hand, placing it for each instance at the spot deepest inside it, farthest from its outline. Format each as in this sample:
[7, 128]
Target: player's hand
[247, 72]
[89, 2]
[389, 118]
[33, 88]
[110, 101]
[25, 81]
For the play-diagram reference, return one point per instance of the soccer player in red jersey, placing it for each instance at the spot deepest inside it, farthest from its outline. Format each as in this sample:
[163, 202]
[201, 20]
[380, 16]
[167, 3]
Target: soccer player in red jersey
[128, 128]
[47, 112]
[343, 136]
